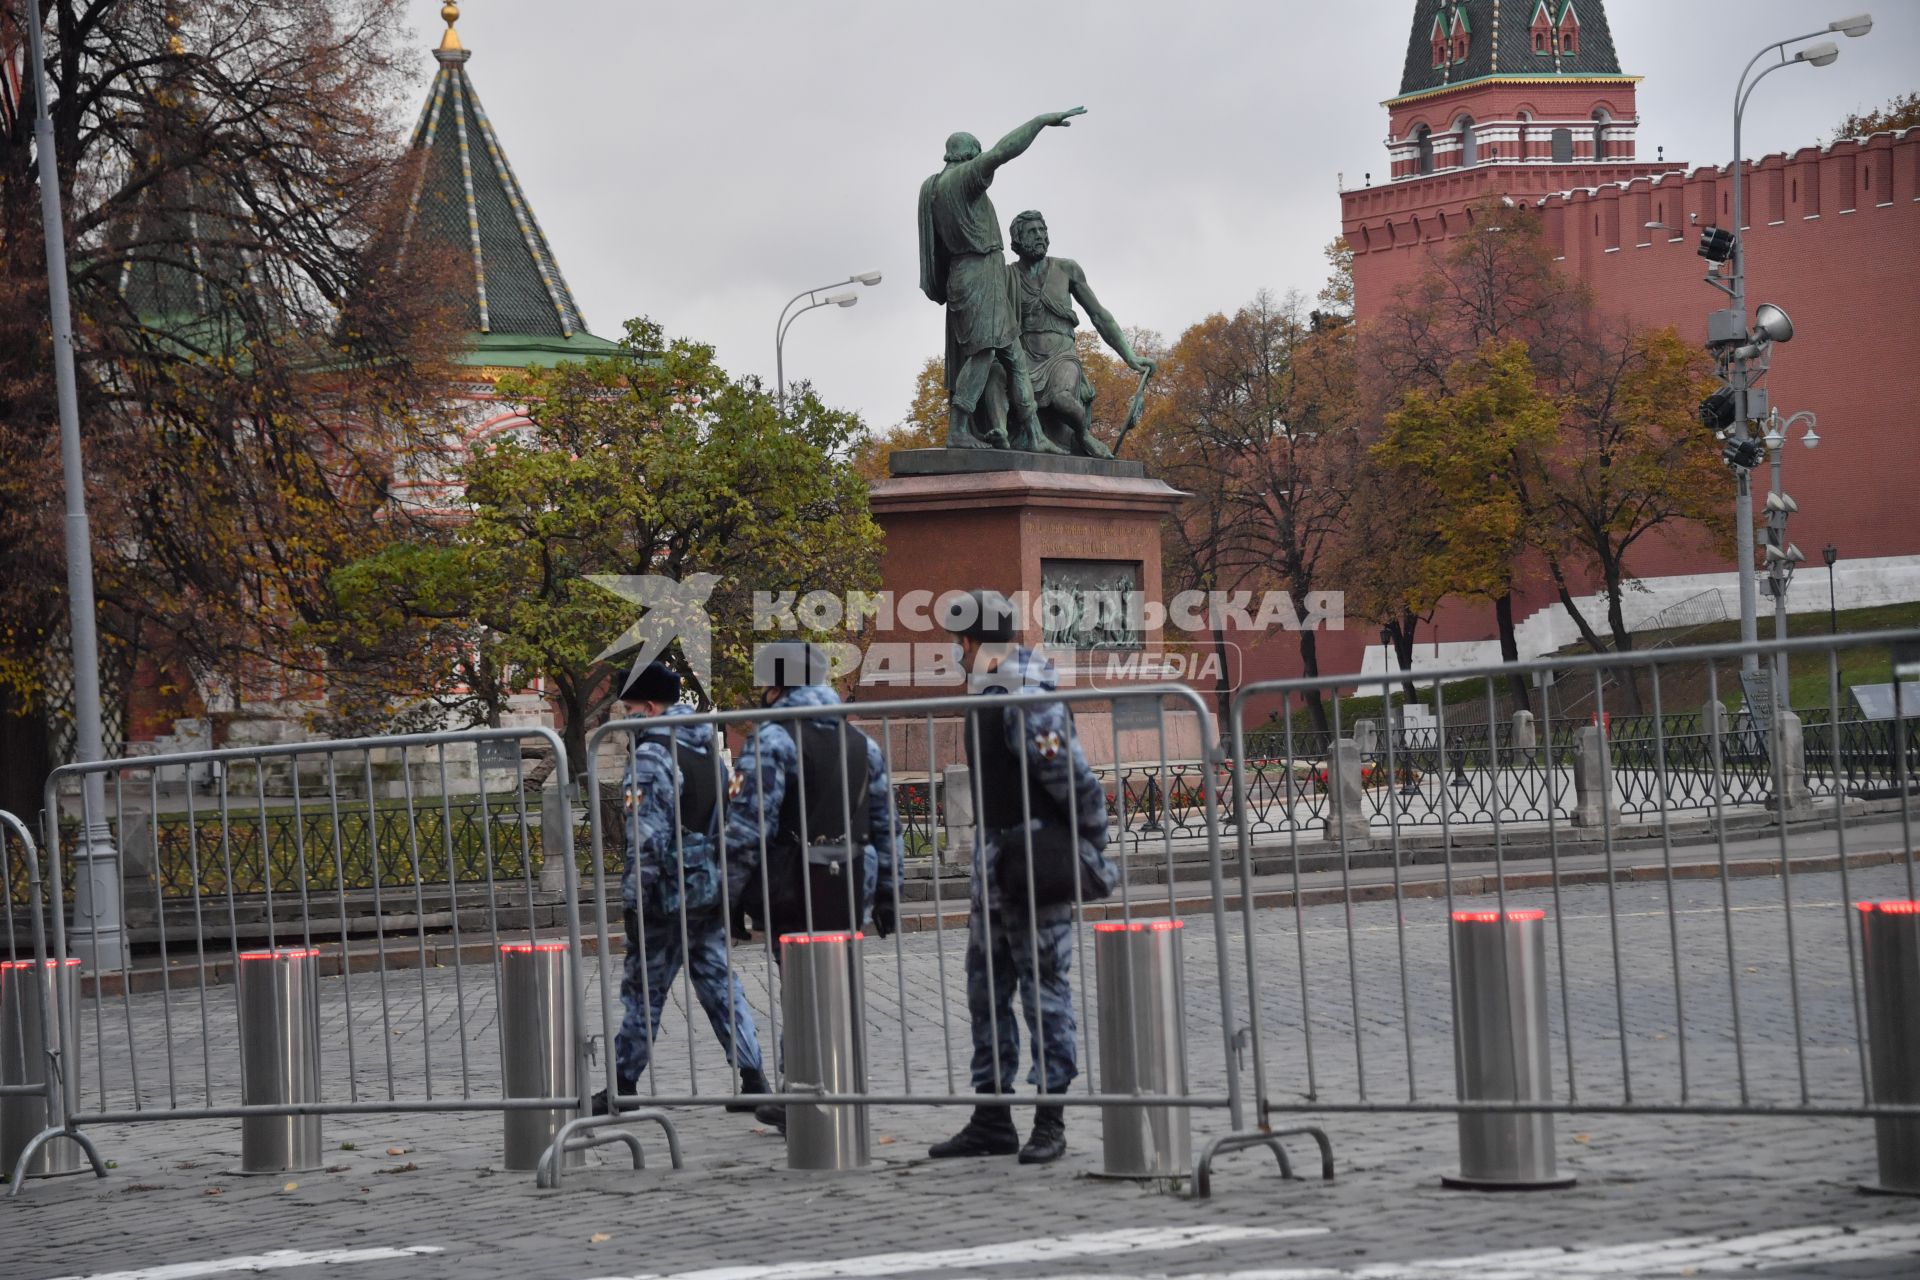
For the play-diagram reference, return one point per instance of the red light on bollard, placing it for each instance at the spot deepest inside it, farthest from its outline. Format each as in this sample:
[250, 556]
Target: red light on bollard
[1890, 908]
[1138, 926]
[285, 953]
[1493, 917]
[803, 939]
[529, 948]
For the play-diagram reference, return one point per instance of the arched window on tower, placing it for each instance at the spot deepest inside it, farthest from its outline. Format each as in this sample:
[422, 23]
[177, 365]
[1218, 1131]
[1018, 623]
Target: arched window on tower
[1469, 149]
[1526, 118]
[1600, 122]
[1563, 146]
[1423, 149]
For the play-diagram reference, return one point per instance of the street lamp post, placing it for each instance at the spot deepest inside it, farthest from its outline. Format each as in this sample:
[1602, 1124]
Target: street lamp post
[1736, 289]
[844, 299]
[98, 937]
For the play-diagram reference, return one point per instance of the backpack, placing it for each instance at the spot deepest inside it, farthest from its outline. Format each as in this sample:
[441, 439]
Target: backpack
[686, 876]
[837, 824]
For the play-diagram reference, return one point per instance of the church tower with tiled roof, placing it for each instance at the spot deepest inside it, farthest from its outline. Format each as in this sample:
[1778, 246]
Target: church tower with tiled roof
[1498, 98]
[519, 309]
[1510, 82]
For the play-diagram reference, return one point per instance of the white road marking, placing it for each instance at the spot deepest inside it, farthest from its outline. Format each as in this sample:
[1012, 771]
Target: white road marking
[276, 1260]
[1044, 1249]
[1651, 1259]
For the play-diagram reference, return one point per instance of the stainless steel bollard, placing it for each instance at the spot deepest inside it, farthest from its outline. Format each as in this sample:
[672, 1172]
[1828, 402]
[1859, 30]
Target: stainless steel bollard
[24, 1046]
[279, 1057]
[537, 1057]
[826, 1048]
[1501, 1052]
[1142, 1047]
[1890, 952]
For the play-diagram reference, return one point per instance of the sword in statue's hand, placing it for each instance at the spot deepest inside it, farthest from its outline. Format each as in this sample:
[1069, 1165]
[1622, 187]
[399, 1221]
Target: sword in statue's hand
[1138, 406]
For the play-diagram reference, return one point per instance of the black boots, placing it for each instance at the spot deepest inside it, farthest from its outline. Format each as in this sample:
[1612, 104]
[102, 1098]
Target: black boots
[772, 1114]
[752, 1081]
[1049, 1140]
[989, 1133]
[627, 1088]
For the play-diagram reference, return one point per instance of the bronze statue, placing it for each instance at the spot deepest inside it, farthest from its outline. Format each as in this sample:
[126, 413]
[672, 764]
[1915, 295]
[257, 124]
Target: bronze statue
[1046, 289]
[962, 266]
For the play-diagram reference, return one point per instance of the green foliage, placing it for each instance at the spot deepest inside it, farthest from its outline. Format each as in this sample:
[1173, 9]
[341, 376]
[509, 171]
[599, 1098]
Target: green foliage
[651, 462]
[1458, 448]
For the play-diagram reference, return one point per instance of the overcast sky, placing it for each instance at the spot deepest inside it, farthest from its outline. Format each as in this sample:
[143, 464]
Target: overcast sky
[701, 163]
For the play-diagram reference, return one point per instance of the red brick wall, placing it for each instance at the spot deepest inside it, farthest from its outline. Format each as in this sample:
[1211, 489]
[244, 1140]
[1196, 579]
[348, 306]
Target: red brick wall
[1833, 236]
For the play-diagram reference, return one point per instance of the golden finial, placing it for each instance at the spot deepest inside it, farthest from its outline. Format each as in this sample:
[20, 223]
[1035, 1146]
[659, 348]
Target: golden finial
[450, 14]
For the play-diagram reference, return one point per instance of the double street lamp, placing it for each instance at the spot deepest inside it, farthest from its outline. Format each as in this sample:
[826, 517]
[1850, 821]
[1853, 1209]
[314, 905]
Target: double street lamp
[1727, 330]
[817, 297]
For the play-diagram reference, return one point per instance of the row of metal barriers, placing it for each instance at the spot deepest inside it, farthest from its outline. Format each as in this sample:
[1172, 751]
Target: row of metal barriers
[1245, 986]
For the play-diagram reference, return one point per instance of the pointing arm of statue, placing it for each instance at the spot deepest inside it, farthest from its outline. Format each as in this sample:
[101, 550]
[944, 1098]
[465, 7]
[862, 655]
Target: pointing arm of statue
[1021, 138]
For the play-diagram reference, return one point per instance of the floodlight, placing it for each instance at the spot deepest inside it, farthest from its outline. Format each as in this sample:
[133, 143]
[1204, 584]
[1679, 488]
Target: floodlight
[1795, 554]
[1716, 411]
[1715, 245]
[1858, 25]
[1772, 324]
[1774, 502]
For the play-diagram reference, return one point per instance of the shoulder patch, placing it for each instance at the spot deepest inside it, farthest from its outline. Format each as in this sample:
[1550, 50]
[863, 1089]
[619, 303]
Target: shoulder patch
[1047, 743]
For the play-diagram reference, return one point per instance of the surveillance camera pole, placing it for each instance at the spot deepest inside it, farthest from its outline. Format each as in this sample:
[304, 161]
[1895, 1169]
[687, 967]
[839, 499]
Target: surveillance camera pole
[1738, 372]
[98, 938]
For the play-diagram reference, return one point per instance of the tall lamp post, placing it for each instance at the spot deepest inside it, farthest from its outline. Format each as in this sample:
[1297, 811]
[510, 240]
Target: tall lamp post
[1783, 557]
[814, 299]
[98, 938]
[1727, 329]
[1831, 553]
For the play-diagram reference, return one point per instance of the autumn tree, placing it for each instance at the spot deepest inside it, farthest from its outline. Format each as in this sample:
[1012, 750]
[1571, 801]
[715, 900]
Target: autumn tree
[924, 427]
[252, 354]
[1630, 457]
[1494, 285]
[1255, 420]
[1901, 112]
[1460, 449]
[652, 462]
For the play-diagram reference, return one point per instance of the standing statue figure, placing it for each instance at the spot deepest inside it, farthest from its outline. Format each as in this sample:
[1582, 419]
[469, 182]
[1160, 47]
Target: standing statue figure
[962, 266]
[1046, 290]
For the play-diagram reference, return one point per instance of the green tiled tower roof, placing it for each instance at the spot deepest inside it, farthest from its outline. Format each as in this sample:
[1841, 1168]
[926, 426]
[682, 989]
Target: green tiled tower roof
[517, 303]
[1501, 43]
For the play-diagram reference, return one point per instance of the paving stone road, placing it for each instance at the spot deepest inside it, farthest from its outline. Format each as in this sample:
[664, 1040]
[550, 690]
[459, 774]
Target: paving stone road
[1657, 1196]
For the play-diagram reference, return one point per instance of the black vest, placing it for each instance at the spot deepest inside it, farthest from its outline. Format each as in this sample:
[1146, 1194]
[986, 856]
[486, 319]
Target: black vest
[824, 760]
[702, 781]
[1000, 772]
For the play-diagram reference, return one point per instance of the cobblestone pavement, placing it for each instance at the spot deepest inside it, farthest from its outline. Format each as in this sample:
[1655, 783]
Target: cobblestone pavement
[1657, 1195]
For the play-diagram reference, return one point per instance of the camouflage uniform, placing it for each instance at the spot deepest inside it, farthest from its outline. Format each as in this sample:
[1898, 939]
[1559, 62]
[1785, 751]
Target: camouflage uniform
[660, 935]
[1001, 936]
[767, 763]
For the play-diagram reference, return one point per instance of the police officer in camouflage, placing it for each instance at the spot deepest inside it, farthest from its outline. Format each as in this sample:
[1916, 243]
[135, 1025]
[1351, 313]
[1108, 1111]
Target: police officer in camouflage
[1042, 822]
[803, 789]
[674, 789]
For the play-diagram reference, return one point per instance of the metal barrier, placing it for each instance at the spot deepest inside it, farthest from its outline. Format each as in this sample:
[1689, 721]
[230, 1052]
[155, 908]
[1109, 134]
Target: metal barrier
[383, 922]
[1387, 994]
[912, 984]
[37, 1028]
[405, 864]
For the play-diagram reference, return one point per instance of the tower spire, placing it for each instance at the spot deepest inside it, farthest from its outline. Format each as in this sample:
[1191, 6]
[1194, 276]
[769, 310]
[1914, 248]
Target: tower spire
[450, 42]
